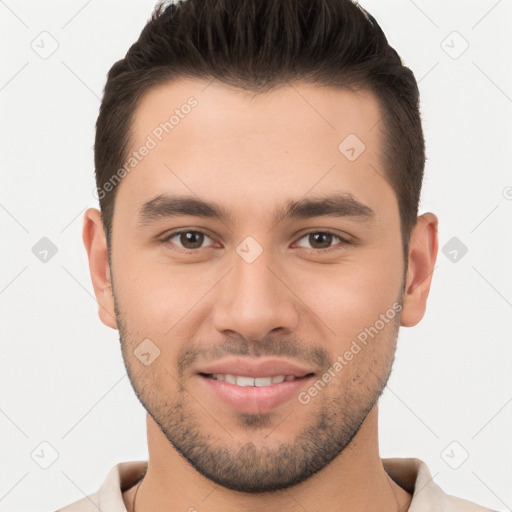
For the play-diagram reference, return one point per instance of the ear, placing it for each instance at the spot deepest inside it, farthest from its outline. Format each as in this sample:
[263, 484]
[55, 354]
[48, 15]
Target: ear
[423, 248]
[95, 243]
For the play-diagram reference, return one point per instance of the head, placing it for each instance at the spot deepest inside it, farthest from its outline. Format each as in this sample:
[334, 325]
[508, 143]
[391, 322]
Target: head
[258, 112]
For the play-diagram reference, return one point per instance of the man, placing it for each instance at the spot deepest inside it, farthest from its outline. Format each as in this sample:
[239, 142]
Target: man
[259, 167]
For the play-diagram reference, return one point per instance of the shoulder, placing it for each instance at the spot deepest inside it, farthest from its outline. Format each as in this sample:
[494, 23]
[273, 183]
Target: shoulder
[455, 504]
[413, 475]
[88, 504]
[109, 497]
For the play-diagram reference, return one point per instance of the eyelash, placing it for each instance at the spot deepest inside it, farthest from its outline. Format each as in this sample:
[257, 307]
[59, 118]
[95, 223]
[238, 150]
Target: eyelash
[166, 241]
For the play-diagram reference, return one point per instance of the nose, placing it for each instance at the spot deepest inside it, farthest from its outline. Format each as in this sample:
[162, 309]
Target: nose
[255, 299]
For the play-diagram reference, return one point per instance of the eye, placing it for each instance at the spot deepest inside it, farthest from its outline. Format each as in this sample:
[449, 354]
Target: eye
[190, 240]
[320, 241]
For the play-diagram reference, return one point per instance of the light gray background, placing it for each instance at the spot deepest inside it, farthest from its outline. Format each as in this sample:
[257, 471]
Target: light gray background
[62, 377]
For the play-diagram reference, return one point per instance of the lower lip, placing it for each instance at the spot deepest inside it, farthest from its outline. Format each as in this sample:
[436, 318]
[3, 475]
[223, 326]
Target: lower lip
[254, 399]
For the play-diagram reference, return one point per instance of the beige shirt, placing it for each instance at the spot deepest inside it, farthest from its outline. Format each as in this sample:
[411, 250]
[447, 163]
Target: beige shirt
[410, 474]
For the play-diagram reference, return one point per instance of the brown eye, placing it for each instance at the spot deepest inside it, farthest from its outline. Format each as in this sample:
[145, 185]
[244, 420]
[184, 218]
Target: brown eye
[188, 240]
[322, 241]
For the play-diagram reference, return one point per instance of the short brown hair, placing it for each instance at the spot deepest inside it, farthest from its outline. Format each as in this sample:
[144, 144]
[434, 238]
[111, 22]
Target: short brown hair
[258, 45]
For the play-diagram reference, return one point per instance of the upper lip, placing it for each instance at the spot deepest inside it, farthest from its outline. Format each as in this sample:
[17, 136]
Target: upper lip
[255, 368]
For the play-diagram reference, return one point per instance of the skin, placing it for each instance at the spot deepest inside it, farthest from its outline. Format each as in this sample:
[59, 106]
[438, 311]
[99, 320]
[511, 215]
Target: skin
[252, 153]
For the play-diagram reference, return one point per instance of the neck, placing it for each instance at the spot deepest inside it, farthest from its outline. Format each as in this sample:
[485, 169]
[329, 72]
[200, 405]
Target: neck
[355, 481]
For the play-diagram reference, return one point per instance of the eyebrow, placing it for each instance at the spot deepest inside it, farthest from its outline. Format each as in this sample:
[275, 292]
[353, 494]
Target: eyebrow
[334, 205]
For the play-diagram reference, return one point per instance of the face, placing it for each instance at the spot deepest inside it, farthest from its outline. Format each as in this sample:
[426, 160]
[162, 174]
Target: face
[214, 311]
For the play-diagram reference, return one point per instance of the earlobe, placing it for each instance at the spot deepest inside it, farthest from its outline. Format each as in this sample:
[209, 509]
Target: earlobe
[93, 236]
[423, 248]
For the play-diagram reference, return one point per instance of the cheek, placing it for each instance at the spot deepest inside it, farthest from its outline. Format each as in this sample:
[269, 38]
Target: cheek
[160, 299]
[350, 296]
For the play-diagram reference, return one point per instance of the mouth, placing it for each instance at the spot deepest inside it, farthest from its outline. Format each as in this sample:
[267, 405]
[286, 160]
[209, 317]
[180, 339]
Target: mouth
[253, 385]
[246, 381]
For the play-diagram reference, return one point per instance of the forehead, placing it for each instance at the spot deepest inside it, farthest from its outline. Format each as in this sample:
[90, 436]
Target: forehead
[216, 141]
[219, 110]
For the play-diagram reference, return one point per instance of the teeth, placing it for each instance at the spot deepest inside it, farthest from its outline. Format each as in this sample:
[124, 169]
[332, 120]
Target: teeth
[262, 381]
[243, 381]
[230, 378]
